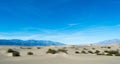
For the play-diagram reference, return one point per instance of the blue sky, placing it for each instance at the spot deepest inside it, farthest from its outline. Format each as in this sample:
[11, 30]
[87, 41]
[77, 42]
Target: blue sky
[67, 21]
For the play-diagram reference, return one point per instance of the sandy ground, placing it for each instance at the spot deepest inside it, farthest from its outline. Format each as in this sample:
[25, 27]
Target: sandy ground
[40, 57]
[61, 59]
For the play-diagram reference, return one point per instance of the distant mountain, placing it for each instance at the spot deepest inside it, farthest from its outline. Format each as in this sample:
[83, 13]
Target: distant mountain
[113, 41]
[29, 42]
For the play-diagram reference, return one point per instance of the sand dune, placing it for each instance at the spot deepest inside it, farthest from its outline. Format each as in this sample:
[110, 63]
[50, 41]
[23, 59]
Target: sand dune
[40, 57]
[61, 59]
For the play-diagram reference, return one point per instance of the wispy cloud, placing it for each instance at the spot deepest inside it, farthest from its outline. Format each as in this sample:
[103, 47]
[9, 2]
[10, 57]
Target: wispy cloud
[73, 24]
[69, 27]
[90, 35]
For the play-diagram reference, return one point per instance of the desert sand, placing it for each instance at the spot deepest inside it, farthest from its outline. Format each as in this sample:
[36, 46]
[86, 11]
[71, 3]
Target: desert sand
[41, 57]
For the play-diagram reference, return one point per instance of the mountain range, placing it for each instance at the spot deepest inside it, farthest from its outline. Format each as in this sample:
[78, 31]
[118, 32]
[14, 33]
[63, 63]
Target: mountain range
[18, 42]
[112, 41]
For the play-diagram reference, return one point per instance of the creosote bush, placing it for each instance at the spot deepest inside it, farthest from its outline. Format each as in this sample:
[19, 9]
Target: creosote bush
[112, 52]
[117, 54]
[100, 54]
[93, 48]
[25, 47]
[77, 52]
[97, 51]
[30, 53]
[106, 51]
[62, 50]
[85, 49]
[109, 54]
[109, 47]
[51, 51]
[84, 52]
[16, 53]
[10, 50]
[38, 47]
[90, 52]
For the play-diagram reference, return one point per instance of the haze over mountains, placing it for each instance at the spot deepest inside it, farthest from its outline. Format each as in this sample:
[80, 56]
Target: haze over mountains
[46, 42]
[112, 41]
[29, 42]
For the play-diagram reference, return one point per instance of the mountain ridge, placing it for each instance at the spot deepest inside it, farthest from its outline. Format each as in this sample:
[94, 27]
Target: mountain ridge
[18, 42]
[112, 41]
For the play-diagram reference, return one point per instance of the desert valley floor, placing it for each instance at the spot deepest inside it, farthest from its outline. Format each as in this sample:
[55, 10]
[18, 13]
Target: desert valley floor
[73, 55]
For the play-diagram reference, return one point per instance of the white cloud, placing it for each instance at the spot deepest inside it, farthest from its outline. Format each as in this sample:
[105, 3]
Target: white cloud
[74, 24]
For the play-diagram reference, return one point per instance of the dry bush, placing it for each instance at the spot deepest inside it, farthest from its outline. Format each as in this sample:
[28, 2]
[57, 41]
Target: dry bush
[93, 48]
[97, 51]
[38, 47]
[85, 49]
[90, 52]
[117, 54]
[30, 53]
[109, 54]
[113, 52]
[16, 53]
[77, 52]
[109, 47]
[10, 50]
[51, 51]
[100, 54]
[84, 52]
[25, 47]
[106, 51]
[62, 50]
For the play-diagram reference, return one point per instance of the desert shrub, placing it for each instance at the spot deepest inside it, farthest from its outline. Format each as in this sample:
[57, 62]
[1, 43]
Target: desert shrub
[85, 49]
[100, 54]
[90, 52]
[16, 53]
[25, 48]
[56, 51]
[38, 47]
[113, 52]
[77, 52]
[51, 51]
[109, 54]
[109, 47]
[106, 51]
[93, 48]
[21, 48]
[10, 50]
[118, 54]
[62, 50]
[30, 53]
[84, 52]
[104, 47]
[97, 51]
[29, 48]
